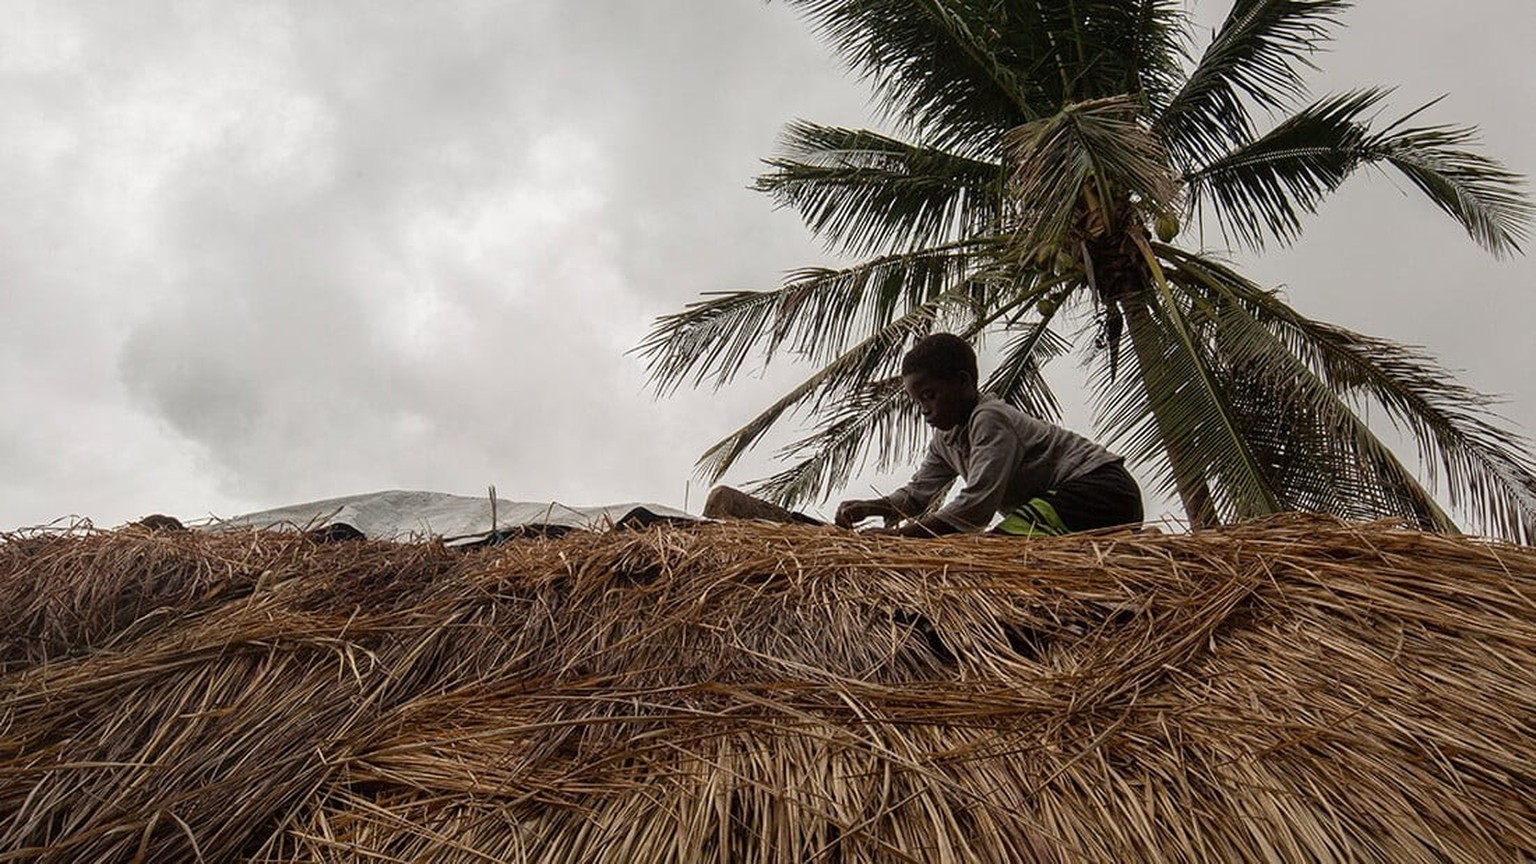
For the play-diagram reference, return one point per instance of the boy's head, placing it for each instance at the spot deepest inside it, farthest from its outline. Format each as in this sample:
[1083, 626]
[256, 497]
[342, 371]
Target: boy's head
[941, 355]
[940, 376]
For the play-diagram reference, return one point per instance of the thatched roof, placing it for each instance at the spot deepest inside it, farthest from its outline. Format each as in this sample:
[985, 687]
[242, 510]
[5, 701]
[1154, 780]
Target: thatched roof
[1287, 691]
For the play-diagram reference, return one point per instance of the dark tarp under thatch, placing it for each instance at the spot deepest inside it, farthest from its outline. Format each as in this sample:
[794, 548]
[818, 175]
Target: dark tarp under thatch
[1293, 690]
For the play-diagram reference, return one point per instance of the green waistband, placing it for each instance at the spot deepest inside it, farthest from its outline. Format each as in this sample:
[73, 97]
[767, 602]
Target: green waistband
[1034, 518]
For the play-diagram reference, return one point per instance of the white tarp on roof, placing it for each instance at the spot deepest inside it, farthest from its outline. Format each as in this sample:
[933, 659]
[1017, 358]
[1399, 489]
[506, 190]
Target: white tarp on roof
[406, 515]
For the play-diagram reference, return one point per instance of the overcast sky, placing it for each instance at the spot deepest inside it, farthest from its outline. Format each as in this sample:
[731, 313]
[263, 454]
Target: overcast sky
[257, 253]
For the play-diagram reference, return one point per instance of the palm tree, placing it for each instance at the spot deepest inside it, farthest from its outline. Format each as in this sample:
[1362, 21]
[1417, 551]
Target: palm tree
[1049, 153]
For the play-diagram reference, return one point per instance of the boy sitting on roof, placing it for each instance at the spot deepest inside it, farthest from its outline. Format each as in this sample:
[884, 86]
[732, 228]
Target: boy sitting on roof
[1042, 478]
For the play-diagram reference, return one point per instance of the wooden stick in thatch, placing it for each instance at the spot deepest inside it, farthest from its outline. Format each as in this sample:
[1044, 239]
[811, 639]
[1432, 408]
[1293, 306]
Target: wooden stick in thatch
[1286, 691]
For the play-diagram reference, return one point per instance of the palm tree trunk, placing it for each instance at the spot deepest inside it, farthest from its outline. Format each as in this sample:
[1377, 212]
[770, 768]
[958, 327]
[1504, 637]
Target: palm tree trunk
[1188, 479]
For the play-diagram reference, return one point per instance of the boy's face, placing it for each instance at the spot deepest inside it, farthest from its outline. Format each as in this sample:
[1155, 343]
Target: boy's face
[945, 402]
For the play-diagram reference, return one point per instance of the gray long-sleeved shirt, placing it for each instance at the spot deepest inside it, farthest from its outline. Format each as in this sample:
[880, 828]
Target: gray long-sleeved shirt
[1006, 457]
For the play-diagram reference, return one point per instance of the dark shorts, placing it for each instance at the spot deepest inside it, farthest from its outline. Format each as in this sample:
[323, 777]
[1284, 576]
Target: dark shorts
[1106, 497]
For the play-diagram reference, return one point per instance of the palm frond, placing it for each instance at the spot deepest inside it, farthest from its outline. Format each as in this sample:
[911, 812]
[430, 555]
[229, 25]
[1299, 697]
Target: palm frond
[875, 358]
[1258, 189]
[878, 418]
[712, 336]
[857, 416]
[1017, 379]
[1254, 56]
[966, 70]
[1096, 49]
[815, 312]
[1175, 402]
[931, 62]
[867, 192]
[1488, 471]
[1154, 50]
[1480, 193]
[1317, 451]
[1099, 151]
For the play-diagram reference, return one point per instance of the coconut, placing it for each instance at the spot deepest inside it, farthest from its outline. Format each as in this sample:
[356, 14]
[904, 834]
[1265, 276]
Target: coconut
[1167, 226]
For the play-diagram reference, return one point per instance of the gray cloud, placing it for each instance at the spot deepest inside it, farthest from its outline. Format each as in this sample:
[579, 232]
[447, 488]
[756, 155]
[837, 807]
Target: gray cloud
[259, 254]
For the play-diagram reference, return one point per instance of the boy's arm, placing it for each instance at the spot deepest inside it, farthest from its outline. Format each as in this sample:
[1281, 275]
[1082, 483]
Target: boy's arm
[995, 454]
[932, 475]
[854, 511]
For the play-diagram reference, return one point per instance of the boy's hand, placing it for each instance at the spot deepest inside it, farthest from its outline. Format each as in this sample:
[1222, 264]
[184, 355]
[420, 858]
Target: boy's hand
[851, 513]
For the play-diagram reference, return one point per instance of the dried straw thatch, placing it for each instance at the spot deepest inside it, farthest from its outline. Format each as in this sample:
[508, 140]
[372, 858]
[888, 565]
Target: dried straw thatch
[1289, 691]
